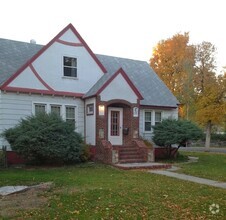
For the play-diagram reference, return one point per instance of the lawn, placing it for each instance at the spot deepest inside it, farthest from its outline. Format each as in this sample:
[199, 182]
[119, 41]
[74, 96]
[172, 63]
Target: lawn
[209, 165]
[95, 191]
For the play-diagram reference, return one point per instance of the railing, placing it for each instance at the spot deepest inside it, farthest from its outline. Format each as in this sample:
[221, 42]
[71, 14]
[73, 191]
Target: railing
[105, 152]
[146, 152]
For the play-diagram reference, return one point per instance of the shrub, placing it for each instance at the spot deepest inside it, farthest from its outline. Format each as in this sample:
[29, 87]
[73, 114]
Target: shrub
[171, 132]
[45, 138]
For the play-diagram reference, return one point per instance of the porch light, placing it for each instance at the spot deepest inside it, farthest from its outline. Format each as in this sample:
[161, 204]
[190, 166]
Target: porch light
[101, 109]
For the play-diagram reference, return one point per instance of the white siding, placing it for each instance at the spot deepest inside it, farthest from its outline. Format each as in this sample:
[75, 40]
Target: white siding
[173, 114]
[49, 66]
[119, 89]
[16, 106]
[69, 36]
[30, 77]
[90, 121]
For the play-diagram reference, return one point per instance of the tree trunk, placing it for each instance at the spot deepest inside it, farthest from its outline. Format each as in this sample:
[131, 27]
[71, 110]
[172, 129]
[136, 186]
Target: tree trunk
[208, 135]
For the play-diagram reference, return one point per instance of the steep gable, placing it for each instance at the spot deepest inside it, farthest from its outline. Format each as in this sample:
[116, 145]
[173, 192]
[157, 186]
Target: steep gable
[154, 92]
[47, 67]
[14, 54]
[119, 86]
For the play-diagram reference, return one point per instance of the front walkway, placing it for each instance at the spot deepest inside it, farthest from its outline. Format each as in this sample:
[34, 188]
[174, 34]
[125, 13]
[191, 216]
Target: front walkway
[160, 168]
[190, 178]
[146, 165]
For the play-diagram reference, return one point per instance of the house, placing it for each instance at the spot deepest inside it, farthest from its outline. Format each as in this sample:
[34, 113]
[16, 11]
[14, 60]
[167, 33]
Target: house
[112, 101]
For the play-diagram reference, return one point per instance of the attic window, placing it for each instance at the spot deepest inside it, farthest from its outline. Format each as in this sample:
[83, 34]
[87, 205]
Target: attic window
[70, 67]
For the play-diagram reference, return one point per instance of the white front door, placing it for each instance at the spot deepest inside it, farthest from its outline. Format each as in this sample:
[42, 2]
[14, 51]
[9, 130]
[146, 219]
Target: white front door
[115, 119]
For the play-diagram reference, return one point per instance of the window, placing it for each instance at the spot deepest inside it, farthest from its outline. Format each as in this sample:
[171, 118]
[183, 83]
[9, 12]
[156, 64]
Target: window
[158, 117]
[40, 108]
[70, 67]
[70, 115]
[56, 109]
[90, 109]
[147, 121]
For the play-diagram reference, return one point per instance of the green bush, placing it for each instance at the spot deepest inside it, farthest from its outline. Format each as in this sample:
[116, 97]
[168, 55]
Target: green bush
[45, 138]
[175, 132]
[171, 132]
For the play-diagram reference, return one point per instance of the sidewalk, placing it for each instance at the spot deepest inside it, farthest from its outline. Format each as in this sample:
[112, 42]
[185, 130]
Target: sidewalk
[190, 178]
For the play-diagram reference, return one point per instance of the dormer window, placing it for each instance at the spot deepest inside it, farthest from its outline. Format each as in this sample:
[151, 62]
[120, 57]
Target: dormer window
[70, 67]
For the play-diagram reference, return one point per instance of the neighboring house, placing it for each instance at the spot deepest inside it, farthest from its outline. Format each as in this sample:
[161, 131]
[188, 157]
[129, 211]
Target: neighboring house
[112, 101]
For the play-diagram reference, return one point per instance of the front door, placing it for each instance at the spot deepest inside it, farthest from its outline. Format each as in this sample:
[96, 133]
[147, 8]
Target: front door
[115, 125]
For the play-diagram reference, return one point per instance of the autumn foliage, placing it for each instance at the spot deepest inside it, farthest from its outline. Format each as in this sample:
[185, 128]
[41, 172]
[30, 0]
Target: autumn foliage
[189, 71]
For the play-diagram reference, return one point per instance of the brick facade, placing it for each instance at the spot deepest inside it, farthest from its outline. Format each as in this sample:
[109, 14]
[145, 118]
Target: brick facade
[129, 121]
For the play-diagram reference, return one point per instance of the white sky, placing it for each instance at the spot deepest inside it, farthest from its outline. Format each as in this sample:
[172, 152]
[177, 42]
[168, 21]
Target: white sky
[124, 28]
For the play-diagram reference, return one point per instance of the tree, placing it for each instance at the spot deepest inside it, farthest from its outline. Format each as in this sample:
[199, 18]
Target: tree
[172, 131]
[205, 65]
[210, 89]
[173, 61]
[45, 138]
[211, 106]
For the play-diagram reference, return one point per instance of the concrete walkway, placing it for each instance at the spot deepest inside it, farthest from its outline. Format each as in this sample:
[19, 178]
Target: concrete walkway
[146, 165]
[190, 178]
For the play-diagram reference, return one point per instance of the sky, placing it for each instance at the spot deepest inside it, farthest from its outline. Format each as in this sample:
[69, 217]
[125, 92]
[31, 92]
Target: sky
[123, 28]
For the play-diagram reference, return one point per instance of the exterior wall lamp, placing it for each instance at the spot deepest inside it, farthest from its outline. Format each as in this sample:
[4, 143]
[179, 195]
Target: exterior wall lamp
[101, 109]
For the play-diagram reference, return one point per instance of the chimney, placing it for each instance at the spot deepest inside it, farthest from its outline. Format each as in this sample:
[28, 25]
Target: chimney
[33, 41]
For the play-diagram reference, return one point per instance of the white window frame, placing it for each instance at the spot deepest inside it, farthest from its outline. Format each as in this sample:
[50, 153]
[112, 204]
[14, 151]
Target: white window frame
[75, 118]
[155, 117]
[153, 121]
[38, 103]
[56, 105]
[70, 77]
[62, 109]
[150, 121]
[90, 109]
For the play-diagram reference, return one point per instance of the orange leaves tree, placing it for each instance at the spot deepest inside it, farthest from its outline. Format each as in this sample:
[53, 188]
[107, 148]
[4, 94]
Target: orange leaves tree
[189, 71]
[173, 60]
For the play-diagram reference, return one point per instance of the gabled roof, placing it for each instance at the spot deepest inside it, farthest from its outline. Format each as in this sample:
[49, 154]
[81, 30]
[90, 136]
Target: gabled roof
[44, 48]
[151, 87]
[124, 75]
[15, 56]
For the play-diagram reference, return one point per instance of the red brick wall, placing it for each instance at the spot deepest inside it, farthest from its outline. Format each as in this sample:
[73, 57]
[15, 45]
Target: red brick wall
[14, 158]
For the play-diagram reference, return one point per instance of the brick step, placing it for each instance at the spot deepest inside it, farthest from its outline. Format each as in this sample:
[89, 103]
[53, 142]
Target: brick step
[134, 152]
[132, 161]
[128, 148]
[130, 156]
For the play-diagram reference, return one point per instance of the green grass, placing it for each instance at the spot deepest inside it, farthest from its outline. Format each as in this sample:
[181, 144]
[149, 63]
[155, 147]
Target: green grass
[102, 192]
[209, 165]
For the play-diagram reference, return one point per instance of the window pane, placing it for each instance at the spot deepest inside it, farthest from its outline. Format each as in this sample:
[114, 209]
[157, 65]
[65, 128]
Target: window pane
[39, 108]
[147, 126]
[158, 117]
[147, 122]
[70, 61]
[68, 71]
[70, 115]
[70, 66]
[115, 123]
[55, 109]
[147, 116]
